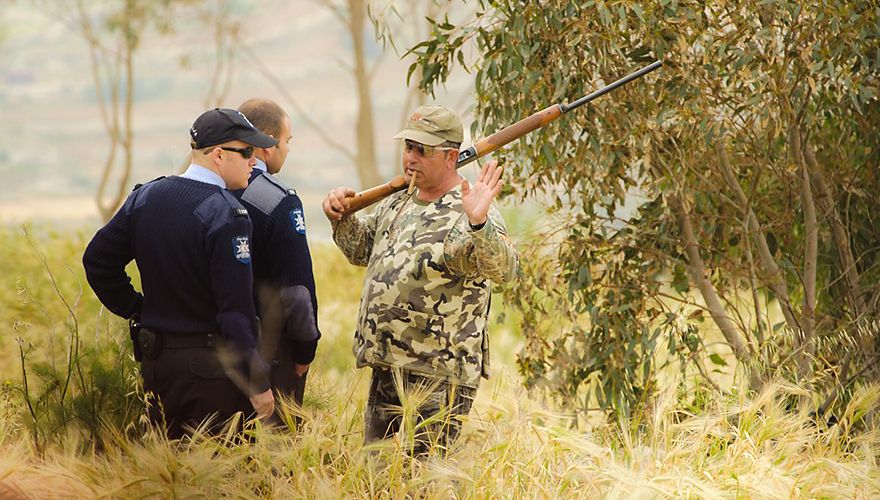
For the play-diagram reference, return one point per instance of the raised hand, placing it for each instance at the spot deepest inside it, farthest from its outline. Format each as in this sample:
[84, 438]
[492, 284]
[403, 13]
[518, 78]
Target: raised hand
[476, 200]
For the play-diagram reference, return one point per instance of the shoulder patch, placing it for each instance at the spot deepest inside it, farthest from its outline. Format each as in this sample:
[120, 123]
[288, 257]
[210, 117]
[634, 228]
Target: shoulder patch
[218, 209]
[139, 195]
[271, 178]
[241, 249]
[299, 222]
[264, 194]
[139, 185]
[233, 202]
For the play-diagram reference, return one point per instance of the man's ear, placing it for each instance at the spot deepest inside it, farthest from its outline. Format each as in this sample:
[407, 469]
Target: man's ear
[214, 155]
[453, 158]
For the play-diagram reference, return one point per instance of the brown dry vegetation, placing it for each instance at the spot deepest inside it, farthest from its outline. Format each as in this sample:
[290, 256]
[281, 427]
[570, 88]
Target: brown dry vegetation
[513, 445]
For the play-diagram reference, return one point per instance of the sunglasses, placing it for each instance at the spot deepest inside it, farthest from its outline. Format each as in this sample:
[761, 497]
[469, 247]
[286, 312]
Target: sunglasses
[245, 153]
[423, 149]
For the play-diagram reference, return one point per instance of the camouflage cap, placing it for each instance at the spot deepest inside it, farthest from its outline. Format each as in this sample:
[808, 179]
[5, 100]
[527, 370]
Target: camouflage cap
[432, 126]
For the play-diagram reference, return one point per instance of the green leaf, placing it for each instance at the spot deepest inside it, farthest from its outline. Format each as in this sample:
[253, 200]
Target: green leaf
[718, 360]
[548, 152]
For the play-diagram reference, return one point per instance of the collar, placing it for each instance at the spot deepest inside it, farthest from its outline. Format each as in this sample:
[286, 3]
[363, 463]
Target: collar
[202, 174]
[261, 165]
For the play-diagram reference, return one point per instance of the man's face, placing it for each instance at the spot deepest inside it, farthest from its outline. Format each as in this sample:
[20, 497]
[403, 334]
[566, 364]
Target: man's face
[430, 165]
[278, 154]
[235, 166]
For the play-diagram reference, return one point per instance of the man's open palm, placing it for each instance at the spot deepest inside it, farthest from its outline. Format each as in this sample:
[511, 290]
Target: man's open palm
[477, 199]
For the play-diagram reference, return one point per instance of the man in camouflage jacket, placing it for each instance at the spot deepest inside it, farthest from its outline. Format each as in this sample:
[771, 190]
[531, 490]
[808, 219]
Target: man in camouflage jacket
[431, 256]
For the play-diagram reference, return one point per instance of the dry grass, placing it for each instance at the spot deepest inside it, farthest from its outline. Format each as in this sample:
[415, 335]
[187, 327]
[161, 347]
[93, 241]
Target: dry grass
[511, 448]
[512, 445]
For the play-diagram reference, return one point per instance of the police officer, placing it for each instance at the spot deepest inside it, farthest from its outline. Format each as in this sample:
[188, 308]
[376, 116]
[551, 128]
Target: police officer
[284, 285]
[431, 256]
[195, 326]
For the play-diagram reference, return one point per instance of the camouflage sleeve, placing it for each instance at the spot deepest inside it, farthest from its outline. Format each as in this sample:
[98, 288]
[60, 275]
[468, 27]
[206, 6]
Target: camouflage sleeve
[354, 236]
[486, 252]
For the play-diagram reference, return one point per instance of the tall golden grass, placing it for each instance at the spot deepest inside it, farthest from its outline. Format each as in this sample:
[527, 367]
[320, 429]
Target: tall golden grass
[512, 445]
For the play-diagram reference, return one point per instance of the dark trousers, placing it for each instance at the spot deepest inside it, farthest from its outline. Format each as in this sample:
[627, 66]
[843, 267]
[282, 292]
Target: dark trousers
[185, 386]
[285, 382]
[437, 419]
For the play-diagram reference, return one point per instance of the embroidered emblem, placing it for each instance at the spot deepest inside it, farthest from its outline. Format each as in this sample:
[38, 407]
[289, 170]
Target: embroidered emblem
[245, 118]
[417, 117]
[241, 248]
[241, 212]
[299, 222]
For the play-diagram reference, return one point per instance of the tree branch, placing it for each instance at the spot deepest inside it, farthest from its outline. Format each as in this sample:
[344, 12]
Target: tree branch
[753, 287]
[113, 132]
[303, 115]
[768, 263]
[698, 272]
[811, 250]
[825, 200]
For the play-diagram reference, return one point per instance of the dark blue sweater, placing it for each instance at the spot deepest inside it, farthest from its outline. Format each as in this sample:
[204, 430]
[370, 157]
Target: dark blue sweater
[190, 241]
[282, 263]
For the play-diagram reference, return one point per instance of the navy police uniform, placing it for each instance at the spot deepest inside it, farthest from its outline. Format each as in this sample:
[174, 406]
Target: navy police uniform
[284, 285]
[190, 241]
[197, 328]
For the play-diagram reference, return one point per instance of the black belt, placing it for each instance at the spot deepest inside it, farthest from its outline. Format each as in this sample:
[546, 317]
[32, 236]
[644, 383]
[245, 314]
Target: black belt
[188, 340]
[150, 342]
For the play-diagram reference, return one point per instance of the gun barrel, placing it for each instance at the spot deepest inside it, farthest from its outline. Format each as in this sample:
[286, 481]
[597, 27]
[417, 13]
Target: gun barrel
[608, 88]
[498, 139]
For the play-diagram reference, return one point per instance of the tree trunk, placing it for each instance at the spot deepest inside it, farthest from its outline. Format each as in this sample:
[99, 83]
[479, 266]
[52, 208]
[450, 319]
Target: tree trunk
[365, 159]
[825, 200]
[128, 142]
[698, 272]
[806, 346]
[768, 263]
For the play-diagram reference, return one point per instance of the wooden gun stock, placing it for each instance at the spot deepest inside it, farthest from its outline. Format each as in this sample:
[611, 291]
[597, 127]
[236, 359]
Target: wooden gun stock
[509, 134]
[483, 147]
[366, 198]
[504, 136]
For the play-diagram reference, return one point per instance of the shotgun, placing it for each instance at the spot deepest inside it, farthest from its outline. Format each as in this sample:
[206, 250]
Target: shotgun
[485, 146]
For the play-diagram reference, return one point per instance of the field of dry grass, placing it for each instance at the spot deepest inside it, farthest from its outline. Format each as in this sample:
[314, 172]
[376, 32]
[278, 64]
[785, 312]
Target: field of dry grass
[513, 444]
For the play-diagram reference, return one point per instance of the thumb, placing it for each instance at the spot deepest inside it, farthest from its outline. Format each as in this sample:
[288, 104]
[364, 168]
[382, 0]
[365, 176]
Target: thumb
[465, 187]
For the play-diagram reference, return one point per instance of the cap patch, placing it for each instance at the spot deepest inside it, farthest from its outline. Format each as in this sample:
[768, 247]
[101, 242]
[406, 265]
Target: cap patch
[241, 249]
[432, 125]
[221, 125]
[244, 118]
[299, 222]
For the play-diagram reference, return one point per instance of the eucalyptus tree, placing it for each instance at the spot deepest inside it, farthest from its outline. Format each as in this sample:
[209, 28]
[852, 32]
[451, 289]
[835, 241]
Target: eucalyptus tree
[753, 155]
[114, 32]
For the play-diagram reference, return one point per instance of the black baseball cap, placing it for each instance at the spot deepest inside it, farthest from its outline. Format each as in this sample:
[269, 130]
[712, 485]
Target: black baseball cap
[221, 125]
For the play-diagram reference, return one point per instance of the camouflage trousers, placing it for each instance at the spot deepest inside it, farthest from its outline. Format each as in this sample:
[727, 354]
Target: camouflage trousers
[433, 421]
